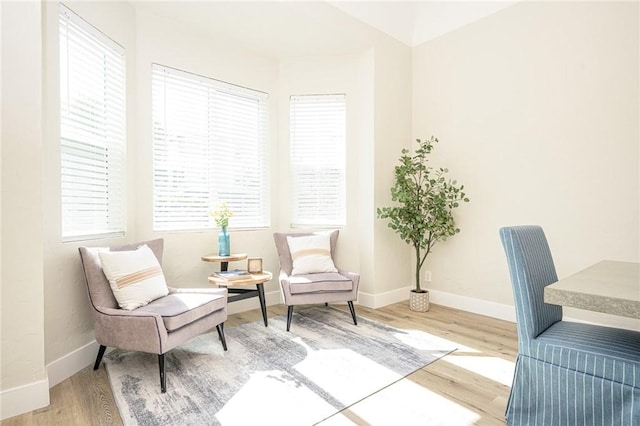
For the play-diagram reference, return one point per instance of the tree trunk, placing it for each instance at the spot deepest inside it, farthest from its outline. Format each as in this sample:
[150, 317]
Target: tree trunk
[418, 289]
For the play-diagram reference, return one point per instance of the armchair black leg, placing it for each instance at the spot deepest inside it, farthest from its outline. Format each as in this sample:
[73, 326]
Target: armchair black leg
[99, 358]
[289, 316]
[163, 376]
[353, 313]
[220, 328]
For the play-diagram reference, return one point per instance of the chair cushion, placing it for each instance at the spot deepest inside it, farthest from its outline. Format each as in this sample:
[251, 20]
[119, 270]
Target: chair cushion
[611, 353]
[311, 254]
[135, 276]
[180, 309]
[316, 283]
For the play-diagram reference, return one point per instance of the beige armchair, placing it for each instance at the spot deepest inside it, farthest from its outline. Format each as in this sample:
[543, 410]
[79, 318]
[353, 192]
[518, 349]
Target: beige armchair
[157, 327]
[311, 288]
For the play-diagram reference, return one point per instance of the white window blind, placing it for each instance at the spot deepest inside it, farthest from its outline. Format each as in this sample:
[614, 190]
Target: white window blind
[318, 163]
[92, 130]
[210, 145]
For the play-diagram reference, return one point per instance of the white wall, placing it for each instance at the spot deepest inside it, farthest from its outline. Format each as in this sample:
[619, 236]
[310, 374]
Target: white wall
[537, 111]
[392, 129]
[21, 281]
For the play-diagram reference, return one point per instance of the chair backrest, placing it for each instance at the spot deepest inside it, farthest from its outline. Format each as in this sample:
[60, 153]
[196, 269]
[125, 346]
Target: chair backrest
[531, 268]
[100, 293]
[282, 246]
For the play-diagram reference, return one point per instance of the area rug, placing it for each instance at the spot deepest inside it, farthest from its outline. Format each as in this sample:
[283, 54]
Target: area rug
[268, 375]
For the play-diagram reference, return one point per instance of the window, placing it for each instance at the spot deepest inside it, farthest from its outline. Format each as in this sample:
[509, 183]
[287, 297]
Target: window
[92, 130]
[318, 160]
[210, 145]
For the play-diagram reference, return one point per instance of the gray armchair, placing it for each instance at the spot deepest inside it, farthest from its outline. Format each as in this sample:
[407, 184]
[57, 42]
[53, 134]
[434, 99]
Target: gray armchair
[157, 327]
[324, 287]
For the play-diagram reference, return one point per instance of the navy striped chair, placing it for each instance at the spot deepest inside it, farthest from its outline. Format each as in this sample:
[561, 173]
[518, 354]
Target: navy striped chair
[566, 373]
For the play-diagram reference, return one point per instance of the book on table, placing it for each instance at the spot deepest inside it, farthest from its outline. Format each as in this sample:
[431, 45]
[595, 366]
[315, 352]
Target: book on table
[236, 274]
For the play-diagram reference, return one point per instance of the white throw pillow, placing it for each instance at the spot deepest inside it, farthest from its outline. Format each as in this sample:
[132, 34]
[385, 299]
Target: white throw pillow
[311, 254]
[135, 277]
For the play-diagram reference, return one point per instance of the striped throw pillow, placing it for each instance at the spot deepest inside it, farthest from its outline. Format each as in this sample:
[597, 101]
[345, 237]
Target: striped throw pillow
[135, 277]
[311, 254]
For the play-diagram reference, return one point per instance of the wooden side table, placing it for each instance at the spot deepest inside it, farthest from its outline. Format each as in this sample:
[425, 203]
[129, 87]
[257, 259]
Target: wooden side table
[244, 293]
[224, 260]
[236, 293]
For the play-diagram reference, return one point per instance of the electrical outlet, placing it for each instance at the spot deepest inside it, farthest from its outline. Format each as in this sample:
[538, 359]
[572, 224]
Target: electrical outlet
[427, 276]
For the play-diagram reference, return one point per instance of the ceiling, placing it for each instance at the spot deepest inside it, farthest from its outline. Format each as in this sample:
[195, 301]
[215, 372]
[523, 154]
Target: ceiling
[414, 22]
[302, 27]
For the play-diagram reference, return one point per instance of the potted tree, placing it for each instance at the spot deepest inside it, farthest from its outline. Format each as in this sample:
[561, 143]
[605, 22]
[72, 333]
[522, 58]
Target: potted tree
[424, 216]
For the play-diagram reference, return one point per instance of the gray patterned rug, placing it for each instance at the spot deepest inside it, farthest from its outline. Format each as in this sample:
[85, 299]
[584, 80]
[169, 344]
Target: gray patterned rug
[269, 376]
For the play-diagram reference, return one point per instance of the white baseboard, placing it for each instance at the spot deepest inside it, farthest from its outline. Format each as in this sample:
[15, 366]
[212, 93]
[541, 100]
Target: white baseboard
[464, 303]
[375, 301]
[23, 399]
[68, 365]
[598, 318]
[476, 306]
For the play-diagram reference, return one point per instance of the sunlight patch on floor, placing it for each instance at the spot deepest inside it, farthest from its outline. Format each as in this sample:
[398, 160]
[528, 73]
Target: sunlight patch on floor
[269, 392]
[343, 373]
[494, 368]
[407, 403]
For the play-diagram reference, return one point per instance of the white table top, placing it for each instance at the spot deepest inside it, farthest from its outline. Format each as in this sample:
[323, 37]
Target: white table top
[608, 286]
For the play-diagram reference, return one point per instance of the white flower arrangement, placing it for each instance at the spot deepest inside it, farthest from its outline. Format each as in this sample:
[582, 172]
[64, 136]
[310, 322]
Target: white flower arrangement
[222, 214]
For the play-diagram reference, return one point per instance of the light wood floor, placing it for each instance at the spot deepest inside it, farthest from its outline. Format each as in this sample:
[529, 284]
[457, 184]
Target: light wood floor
[86, 398]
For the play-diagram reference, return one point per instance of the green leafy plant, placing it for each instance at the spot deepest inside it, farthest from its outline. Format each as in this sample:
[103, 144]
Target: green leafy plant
[426, 199]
